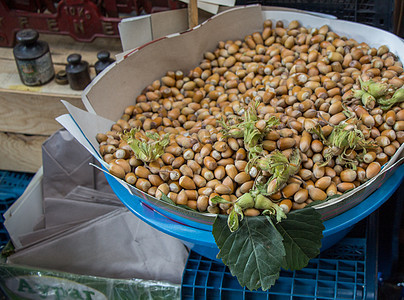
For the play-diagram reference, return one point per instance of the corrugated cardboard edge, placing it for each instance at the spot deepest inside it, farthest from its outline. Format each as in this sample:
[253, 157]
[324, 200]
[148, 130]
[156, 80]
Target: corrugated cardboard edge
[140, 30]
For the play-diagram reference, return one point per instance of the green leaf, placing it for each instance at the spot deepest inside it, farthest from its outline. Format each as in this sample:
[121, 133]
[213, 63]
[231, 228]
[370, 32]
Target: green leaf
[254, 253]
[302, 232]
[165, 198]
[218, 199]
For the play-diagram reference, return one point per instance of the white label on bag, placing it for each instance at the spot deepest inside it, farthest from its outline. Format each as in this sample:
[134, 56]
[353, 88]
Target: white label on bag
[47, 287]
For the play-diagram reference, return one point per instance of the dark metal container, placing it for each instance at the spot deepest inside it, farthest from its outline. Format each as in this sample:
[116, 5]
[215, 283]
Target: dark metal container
[104, 61]
[34, 61]
[78, 72]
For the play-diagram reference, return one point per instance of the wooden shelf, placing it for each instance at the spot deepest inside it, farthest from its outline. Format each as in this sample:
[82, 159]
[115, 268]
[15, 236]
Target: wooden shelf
[28, 113]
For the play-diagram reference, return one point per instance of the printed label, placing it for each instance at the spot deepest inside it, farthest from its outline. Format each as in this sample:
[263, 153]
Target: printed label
[36, 71]
[47, 287]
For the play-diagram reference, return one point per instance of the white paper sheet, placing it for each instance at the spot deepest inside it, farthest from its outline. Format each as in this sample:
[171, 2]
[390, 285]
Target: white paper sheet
[90, 122]
[137, 29]
[209, 7]
[221, 2]
[25, 212]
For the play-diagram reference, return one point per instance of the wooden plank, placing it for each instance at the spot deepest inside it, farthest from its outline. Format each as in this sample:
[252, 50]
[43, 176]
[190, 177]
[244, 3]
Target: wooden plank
[10, 80]
[28, 113]
[61, 46]
[21, 153]
[32, 113]
[192, 13]
[32, 110]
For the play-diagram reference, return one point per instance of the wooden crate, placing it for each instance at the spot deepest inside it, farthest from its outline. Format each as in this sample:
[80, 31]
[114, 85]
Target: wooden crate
[28, 113]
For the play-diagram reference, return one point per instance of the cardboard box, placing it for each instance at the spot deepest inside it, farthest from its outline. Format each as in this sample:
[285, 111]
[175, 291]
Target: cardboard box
[106, 97]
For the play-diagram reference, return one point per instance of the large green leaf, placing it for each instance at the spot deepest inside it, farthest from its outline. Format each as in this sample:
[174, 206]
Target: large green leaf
[254, 253]
[302, 232]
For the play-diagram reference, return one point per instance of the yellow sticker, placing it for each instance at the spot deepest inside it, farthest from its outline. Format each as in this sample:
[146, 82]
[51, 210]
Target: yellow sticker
[21, 87]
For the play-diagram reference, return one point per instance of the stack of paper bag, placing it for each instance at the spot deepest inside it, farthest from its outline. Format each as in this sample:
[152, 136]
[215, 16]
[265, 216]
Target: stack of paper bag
[85, 229]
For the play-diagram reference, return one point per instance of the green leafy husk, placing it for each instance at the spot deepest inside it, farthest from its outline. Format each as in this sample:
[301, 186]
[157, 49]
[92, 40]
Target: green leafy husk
[259, 188]
[245, 201]
[262, 202]
[275, 211]
[364, 84]
[376, 89]
[280, 167]
[372, 92]
[368, 100]
[246, 128]
[344, 138]
[217, 200]
[147, 147]
[397, 97]
[233, 221]
[256, 252]
[358, 93]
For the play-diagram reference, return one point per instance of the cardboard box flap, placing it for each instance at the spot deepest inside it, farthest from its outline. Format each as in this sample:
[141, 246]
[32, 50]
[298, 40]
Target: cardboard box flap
[135, 31]
[168, 22]
[140, 30]
[84, 126]
[123, 83]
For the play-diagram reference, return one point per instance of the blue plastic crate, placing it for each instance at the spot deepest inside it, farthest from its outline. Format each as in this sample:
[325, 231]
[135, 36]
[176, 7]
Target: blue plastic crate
[345, 271]
[12, 185]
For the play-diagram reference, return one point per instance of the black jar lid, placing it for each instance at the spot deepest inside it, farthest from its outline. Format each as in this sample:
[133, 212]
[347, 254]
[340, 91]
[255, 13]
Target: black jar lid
[103, 55]
[74, 59]
[27, 36]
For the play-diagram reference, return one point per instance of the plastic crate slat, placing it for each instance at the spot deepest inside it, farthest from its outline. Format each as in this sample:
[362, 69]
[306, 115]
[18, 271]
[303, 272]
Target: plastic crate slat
[12, 185]
[338, 273]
